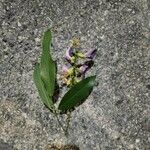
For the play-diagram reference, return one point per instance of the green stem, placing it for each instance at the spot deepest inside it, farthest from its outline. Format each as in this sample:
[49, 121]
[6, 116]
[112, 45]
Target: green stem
[74, 71]
[72, 84]
[65, 129]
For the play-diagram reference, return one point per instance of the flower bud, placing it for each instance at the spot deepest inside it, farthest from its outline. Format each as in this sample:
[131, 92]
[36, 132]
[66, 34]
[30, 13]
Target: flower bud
[81, 55]
[76, 80]
[67, 71]
[75, 43]
[68, 82]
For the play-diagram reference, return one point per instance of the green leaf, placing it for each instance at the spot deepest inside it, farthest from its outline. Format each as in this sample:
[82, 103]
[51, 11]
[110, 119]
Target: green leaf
[77, 94]
[47, 65]
[41, 89]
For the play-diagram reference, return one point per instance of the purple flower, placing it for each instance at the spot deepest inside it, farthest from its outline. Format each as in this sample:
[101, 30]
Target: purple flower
[67, 70]
[83, 69]
[69, 54]
[91, 53]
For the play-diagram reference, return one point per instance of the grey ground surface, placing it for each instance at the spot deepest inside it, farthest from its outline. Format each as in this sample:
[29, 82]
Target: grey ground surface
[116, 116]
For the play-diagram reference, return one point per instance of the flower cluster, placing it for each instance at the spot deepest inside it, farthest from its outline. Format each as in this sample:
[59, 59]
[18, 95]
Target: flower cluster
[73, 71]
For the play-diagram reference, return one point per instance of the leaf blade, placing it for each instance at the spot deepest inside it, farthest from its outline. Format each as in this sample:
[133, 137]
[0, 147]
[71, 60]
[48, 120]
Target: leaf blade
[77, 94]
[47, 65]
[40, 87]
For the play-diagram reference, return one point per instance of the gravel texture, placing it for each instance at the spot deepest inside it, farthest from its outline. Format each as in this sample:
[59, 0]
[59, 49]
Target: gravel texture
[116, 116]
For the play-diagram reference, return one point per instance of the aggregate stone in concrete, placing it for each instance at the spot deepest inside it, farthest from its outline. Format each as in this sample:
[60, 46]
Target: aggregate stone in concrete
[116, 116]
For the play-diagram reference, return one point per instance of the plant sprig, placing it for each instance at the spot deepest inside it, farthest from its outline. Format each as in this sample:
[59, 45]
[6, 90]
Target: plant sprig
[73, 77]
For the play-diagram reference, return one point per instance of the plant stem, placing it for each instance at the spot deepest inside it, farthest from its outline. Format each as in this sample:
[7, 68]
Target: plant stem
[60, 124]
[74, 71]
[67, 122]
[65, 129]
[72, 84]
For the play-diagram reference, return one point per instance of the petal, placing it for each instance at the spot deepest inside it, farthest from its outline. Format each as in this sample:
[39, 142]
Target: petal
[84, 68]
[91, 53]
[67, 70]
[69, 53]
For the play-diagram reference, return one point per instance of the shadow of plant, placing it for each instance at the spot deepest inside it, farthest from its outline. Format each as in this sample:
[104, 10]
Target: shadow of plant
[61, 147]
